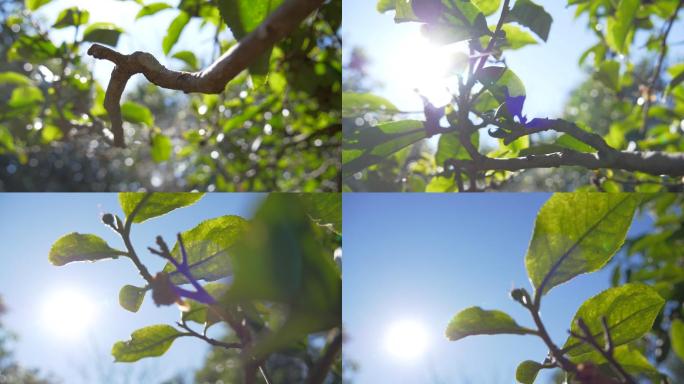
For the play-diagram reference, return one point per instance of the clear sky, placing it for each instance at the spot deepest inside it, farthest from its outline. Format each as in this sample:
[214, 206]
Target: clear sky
[548, 70]
[425, 257]
[30, 223]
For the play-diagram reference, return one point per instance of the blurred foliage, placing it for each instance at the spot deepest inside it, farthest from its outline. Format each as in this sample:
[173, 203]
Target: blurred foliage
[276, 127]
[655, 258]
[11, 372]
[633, 98]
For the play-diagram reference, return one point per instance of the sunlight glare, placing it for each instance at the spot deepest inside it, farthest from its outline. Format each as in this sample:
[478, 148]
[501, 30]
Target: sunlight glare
[406, 339]
[68, 314]
[429, 68]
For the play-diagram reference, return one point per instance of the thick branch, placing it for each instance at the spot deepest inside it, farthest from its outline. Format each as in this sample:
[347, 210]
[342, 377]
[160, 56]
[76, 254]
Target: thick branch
[214, 78]
[654, 163]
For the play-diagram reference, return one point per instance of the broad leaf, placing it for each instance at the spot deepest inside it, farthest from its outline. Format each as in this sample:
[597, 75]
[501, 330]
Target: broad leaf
[365, 146]
[72, 17]
[357, 104]
[188, 58]
[81, 247]
[199, 312]
[156, 204]
[630, 311]
[14, 78]
[282, 259]
[32, 5]
[609, 74]
[243, 17]
[450, 147]
[477, 321]
[324, 209]
[618, 27]
[174, 31]
[487, 7]
[208, 247]
[131, 297]
[161, 148]
[677, 338]
[136, 113]
[576, 233]
[533, 16]
[150, 341]
[151, 9]
[105, 33]
[516, 38]
[527, 371]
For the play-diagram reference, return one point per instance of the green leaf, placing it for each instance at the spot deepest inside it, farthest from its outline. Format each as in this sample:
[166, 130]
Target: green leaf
[50, 133]
[441, 184]
[131, 297]
[527, 371]
[32, 5]
[6, 139]
[324, 209]
[365, 146]
[532, 16]
[81, 247]
[25, 96]
[677, 338]
[356, 104]
[516, 38]
[150, 341]
[477, 321]
[577, 233]
[282, 259]
[151, 9]
[609, 74]
[161, 148]
[449, 147]
[385, 5]
[496, 79]
[630, 311]
[629, 357]
[136, 113]
[14, 78]
[157, 204]
[677, 73]
[618, 27]
[188, 58]
[71, 17]
[208, 247]
[174, 31]
[105, 33]
[243, 17]
[198, 312]
[488, 7]
[34, 49]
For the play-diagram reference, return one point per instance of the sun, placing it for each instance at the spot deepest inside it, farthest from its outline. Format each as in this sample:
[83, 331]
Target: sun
[406, 339]
[429, 68]
[68, 314]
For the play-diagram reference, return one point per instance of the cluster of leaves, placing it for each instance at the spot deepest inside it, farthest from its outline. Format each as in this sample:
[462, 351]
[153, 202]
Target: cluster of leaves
[577, 233]
[284, 287]
[380, 143]
[275, 127]
[654, 258]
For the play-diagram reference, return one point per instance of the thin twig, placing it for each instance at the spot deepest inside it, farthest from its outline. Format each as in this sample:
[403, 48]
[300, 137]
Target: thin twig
[650, 87]
[322, 367]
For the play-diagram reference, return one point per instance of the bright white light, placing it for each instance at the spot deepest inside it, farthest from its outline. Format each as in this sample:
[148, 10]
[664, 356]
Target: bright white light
[406, 339]
[429, 68]
[68, 314]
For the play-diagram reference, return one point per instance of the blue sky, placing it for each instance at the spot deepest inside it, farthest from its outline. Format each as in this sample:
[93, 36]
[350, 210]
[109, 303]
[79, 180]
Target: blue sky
[548, 70]
[30, 223]
[425, 257]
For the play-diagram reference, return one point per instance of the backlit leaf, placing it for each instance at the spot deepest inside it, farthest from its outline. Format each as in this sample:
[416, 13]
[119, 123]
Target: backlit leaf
[157, 204]
[150, 341]
[477, 321]
[81, 247]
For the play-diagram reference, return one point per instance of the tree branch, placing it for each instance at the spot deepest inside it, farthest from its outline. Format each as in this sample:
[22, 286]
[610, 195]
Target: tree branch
[322, 367]
[214, 78]
[654, 163]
